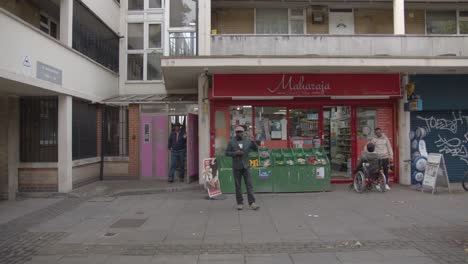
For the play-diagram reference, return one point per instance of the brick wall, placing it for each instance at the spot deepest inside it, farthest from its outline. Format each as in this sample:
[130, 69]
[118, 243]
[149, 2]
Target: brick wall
[99, 129]
[133, 140]
[38, 180]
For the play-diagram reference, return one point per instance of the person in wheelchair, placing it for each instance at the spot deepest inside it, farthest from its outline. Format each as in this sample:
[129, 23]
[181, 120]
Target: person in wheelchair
[370, 160]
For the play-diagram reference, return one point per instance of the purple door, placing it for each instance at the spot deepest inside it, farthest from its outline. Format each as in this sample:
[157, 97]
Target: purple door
[192, 146]
[154, 154]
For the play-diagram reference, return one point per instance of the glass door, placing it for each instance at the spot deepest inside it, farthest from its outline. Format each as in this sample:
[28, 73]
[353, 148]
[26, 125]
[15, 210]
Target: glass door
[337, 139]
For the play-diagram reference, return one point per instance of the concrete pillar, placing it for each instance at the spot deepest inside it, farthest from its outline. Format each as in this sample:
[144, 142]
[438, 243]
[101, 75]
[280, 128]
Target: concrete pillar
[203, 122]
[13, 146]
[66, 22]
[65, 160]
[398, 17]
[204, 27]
[403, 136]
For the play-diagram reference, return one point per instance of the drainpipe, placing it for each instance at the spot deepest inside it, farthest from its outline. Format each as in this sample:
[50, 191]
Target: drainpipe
[103, 140]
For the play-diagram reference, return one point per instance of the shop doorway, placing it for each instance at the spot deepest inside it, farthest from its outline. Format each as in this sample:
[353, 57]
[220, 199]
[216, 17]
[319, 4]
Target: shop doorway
[337, 140]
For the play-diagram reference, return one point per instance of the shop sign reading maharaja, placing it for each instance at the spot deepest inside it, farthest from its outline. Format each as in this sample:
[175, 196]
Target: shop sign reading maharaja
[305, 85]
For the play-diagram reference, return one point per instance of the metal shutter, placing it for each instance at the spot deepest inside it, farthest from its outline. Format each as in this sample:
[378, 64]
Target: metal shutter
[447, 133]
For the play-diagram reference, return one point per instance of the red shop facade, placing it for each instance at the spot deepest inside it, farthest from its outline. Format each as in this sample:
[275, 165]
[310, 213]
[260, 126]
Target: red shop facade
[293, 110]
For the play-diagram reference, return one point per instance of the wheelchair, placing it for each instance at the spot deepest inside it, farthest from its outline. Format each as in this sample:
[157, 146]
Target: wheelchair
[370, 176]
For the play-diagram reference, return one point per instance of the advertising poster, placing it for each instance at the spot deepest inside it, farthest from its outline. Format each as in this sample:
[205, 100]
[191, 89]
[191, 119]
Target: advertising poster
[210, 176]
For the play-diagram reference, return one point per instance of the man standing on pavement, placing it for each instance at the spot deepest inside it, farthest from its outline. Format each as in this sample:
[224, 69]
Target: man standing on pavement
[384, 149]
[239, 148]
[177, 144]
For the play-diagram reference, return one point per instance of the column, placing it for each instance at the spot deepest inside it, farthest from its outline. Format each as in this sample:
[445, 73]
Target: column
[204, 27]
[65, 161]
[398, 17]
[403, 137]
[13, 146]
[203, 122]
[66, 22]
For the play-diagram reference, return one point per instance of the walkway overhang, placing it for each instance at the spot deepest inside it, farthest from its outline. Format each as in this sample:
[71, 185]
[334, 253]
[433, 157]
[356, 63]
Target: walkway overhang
[183, 72]
[153, 99]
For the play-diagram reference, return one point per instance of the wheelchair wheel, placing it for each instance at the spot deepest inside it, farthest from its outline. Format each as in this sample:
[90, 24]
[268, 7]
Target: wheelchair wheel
[381, 181]
[359, 182]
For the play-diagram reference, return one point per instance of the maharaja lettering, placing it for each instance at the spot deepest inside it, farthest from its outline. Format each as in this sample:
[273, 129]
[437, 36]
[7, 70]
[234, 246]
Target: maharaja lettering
[298, 85]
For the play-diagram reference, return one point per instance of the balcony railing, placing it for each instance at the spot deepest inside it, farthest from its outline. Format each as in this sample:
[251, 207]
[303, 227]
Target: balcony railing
[183, 44]
[340, 45]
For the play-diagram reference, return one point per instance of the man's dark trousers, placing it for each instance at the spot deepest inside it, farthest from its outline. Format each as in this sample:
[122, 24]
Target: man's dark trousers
[178, 155]
[238, 175]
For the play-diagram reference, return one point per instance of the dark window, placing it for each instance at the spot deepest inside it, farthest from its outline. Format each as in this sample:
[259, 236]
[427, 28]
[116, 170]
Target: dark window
[38, 129]
[84, 130]
[93, 38]
[135, 4]
[116, 131]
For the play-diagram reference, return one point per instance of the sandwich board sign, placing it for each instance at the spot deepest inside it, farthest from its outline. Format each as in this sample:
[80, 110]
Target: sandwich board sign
[436, 172]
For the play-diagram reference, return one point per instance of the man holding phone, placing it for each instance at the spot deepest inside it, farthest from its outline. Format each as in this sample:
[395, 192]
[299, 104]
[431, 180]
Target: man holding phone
[239, 148]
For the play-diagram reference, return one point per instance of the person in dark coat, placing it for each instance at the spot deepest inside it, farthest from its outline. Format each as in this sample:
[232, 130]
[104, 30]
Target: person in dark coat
[177, 145]
[239, 148]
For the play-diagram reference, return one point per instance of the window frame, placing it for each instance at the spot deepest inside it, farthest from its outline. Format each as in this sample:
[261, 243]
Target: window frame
[303, 18]
[145, 51]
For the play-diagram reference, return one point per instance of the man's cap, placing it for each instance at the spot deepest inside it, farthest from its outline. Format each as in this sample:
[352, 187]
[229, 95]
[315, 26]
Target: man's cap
[239, 129]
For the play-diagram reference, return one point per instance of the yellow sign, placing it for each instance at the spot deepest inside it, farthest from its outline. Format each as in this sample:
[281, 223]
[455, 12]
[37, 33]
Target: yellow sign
[254, 163]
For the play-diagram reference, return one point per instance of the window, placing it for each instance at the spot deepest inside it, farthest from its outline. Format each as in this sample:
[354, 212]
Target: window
[38, 129]
[135, 36]
[154, 37]
[48, 25]
[154, 66]
[93, 38]
[144, 52]
[183, 13]
[182, 43]
[463, 22]
[135, 4]
[155, 4]
[84, 130]
[272, 21]
[297, 21]
[116, 131]
[441, 22]
[271, 126]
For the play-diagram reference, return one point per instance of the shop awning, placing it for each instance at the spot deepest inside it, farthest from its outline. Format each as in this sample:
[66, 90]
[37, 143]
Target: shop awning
[153, 99]
[183, 72]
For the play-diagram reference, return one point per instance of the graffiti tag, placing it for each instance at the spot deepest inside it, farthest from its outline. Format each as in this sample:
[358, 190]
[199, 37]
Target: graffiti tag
[454, 146]
[444, 124]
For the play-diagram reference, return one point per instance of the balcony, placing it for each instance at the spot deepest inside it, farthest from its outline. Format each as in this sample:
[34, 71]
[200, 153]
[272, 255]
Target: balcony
[340, 45]
[33, 62]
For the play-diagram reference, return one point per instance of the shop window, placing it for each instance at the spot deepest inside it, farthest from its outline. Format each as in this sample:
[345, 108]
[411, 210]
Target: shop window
[183, 13]
[116, 131]
[304, 126]
[93, 38]
[38, 129]
[84, 130]
[226, 120]
[441, 22]
[271, 126]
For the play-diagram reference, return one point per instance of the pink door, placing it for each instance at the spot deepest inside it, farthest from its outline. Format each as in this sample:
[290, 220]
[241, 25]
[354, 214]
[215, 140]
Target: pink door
[153, 150]
[192, 146]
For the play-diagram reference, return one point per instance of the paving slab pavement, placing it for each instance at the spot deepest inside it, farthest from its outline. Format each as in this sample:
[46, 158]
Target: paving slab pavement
[401, 226]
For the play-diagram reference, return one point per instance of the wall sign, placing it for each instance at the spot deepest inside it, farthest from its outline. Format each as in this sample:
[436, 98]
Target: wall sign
[48, 73]
[305, 85]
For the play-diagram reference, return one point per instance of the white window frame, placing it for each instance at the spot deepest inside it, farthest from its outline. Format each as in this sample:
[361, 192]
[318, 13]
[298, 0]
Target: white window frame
[297, 18]
[50, 20]
[145, 51]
